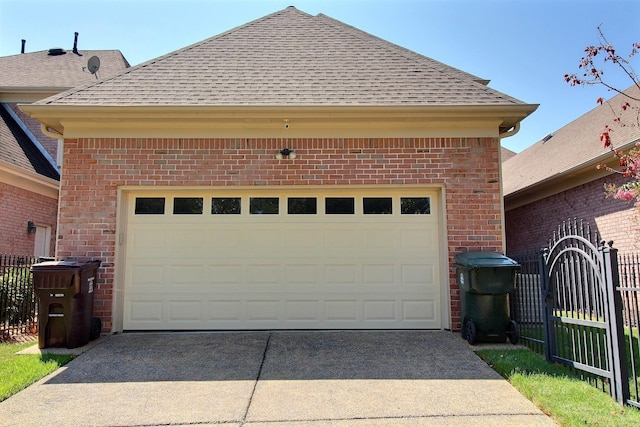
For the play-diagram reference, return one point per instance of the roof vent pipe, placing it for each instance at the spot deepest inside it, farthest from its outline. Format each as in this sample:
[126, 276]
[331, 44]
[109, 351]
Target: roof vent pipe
[75, 43]
[24, 42]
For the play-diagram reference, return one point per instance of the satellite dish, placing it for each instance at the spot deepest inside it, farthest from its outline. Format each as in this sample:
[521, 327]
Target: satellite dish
[93, 65]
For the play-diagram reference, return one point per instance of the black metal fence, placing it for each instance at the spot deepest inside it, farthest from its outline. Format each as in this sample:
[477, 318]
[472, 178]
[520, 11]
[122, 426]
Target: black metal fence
[629, 269]
[17, 297]
[527, 305]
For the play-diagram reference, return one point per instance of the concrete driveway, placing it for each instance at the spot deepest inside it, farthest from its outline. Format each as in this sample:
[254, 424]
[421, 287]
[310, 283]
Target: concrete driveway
[264, 379]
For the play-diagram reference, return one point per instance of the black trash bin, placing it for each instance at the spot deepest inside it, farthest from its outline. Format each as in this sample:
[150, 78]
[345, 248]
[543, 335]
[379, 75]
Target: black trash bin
[65, 303]
[485, 280]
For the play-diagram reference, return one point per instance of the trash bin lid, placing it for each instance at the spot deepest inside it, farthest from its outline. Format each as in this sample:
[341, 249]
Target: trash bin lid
[62, 265]
[484, 259]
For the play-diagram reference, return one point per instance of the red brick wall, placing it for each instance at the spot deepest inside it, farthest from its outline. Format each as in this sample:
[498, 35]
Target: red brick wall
[530, 227]
[95, 168]
[17, 206]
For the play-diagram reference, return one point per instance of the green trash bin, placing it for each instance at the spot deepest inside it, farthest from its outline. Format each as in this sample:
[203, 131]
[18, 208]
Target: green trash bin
[485, 280]
[65, 303]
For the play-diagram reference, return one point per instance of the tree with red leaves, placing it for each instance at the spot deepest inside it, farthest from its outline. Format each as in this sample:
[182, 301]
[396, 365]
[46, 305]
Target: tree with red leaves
[625, 114]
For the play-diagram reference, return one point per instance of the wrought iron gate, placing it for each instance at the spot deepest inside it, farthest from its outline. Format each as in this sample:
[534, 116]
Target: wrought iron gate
[581, 325]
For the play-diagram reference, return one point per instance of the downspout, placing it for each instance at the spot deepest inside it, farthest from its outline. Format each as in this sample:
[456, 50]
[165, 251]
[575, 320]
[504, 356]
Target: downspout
[515, 129]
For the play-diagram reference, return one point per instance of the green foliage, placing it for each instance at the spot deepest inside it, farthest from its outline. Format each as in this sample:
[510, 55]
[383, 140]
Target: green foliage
[19, 371]
[16, 295]
[558, 391]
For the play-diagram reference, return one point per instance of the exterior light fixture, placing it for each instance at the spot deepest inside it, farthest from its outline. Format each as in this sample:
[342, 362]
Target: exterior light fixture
[286, 152]
[31, 227]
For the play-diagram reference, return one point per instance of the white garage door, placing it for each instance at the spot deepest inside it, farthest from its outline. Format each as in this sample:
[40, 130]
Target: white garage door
[285, 259]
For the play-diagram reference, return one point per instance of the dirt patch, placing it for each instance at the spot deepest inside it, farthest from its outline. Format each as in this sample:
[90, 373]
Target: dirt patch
[7, 337]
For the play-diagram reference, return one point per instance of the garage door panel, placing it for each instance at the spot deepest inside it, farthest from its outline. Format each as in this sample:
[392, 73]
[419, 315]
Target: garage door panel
[228, 275]
[302, 310]
[420, 310]
[148, 238]
[185, 311]
[145, 311]
[343, 275]
[379, 274]
[418, 275]
[145, 277]
[282, 271]
[301, 275]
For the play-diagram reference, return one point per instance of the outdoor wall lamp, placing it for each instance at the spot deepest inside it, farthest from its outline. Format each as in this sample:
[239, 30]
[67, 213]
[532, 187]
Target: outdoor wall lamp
[31, 227]
[286, 152]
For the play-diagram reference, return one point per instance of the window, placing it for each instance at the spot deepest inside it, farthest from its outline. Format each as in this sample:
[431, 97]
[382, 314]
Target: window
[302, 205]
[339, 206]
[264, 206]
[187, 205]
[377, 206]
[149, 206]
[415, 206]
[225, 206]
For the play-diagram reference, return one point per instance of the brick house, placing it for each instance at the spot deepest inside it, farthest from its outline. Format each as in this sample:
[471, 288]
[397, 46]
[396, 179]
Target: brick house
[29, 173]
[291, 173]
[557, 179]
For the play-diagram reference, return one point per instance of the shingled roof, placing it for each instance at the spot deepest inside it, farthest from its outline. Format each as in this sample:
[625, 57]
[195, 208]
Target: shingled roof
[17, 148]
[568, 151]
[39, 69]
[289, 58]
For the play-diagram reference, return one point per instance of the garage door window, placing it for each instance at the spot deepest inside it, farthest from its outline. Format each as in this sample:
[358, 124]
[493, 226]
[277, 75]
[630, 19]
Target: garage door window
[339, 206]
[264, 206]
[377, 206]
[415, 206]
[302, 206]
[149, 206]
[187, 206]
[225, 206]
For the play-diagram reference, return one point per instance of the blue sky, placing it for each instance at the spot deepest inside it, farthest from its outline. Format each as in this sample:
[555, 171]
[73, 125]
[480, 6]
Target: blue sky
[523, 46]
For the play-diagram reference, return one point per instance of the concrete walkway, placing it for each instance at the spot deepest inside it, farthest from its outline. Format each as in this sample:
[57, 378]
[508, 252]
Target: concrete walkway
[265, 379]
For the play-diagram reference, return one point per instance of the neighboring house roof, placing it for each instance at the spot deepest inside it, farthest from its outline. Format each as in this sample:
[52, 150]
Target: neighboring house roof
[291, 59]
[506, 154]
[571, 152]
[31, 76]
[17, 148]
[41, 70]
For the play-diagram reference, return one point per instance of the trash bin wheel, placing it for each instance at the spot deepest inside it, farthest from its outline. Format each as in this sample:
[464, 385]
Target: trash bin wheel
[470, 331]
[96, 328]
[512, 332]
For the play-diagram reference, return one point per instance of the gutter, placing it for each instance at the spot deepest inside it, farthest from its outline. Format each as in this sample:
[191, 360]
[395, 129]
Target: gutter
[515, 129]
[536, 191]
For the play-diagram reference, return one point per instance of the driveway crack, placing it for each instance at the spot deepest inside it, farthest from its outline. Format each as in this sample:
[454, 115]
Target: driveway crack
[255, 385]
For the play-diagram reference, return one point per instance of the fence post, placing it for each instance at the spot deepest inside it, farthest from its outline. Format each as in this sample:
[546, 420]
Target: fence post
[547, 299]
[615, 334]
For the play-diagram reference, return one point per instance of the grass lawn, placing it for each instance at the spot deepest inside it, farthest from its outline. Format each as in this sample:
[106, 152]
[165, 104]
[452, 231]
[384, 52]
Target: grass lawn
[19, 371]
[557, 391]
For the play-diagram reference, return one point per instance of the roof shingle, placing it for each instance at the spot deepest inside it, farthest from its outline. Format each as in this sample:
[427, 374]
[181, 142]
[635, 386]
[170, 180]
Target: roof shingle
[569, 147]
[17, 148]
[39, 69]
[289, 58]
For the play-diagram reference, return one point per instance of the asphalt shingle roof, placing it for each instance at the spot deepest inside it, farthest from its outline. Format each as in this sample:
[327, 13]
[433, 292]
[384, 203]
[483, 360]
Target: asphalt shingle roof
[17, 148]
[571, 146]
[288, 58]
[39, 69]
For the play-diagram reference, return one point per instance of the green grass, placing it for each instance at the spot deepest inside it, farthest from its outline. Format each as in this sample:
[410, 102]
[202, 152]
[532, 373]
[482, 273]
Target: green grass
[19, 371]
[558, 391]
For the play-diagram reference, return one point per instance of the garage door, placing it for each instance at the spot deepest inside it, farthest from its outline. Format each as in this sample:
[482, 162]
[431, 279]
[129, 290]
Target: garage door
[286, 259]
